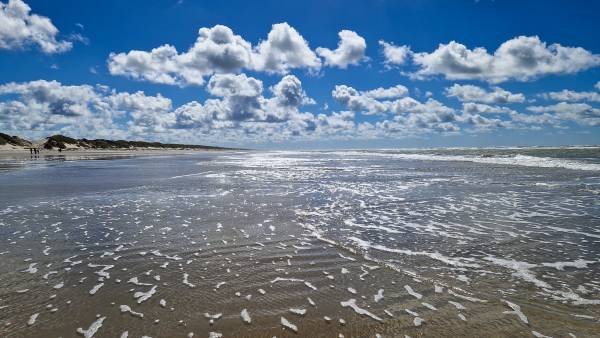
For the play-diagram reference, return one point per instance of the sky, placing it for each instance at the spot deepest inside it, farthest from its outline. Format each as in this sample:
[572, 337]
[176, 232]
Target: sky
[303, 74]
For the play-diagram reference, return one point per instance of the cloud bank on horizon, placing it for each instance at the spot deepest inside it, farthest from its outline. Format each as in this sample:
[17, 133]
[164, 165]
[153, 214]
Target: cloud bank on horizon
[240, 108]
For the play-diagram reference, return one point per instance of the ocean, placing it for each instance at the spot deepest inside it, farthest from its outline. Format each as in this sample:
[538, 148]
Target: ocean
[358, 243]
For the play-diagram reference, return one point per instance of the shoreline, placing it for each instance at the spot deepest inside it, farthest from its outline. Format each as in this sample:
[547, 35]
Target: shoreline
[11, 159]
[23, 153]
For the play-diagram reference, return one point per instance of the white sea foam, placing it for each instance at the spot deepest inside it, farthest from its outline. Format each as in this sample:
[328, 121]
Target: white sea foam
[518, 160]
[413, 292]
[520, 270]
[246, 316]
[459, 262]
[299, 312]
[516, 310]
[418, 321]
[32, 319]
[288, 325]
[469, 298]
[352, 304]
[579, 263]
[94, 327]
[96, 288]
[143, 296]
[127, 309]
[429, 306]
[539, 335]
[186, 282]
[457, 305]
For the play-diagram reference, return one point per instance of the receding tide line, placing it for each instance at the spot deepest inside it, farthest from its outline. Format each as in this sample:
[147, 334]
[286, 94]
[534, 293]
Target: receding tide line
[519, 160]
[433, 255]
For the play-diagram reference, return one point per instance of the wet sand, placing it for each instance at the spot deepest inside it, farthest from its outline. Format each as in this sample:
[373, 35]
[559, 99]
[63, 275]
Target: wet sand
[14, 157]
[159, 248]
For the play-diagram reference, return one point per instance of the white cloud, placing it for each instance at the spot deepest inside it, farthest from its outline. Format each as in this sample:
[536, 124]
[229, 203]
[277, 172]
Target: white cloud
[283, 50]
[336, 121]
[572, 96]
[239, 111]
[581, 113]
[217, 50]
[479, 108]
[481, 123]
[350, 50]
[242, 98]
[410, 116]
[465, 93]
[410, 105]
[597, 86]
[387, 93]
[227, 85]
[242, 112]
[357, 101]
[20, 29]
[288, 92]
[522, 58]
[82, 110]
[534, 121]
[395, 55]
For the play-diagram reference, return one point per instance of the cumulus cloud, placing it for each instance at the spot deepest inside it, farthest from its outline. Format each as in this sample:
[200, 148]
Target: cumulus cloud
[394, 55]
[283, 50]
[350, 50]
[19, 29]
[411, 125]
[288, 92]
[242, 112]
[337, 121]
[357, 101]
[482, 123]
[581, 113]
[387, 93]
[480, 108]
[522, 58]
[371, 102]
[217, 50]
[410, 116]
[597, 86]
[228, 85]
[242, 98]
[572, 96]
[402, 115]
[81, 109]
[238, 108]
[470, 93]
[410, 105]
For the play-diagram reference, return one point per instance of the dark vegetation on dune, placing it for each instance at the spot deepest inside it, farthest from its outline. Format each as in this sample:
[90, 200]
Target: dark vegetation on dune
[13, 140]
[63, 142]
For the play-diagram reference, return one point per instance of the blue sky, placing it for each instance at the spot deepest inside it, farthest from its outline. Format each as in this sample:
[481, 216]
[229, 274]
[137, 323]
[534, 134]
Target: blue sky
[287, 78]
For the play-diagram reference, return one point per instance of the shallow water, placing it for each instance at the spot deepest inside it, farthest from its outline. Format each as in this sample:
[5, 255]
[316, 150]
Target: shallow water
[427, 243]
